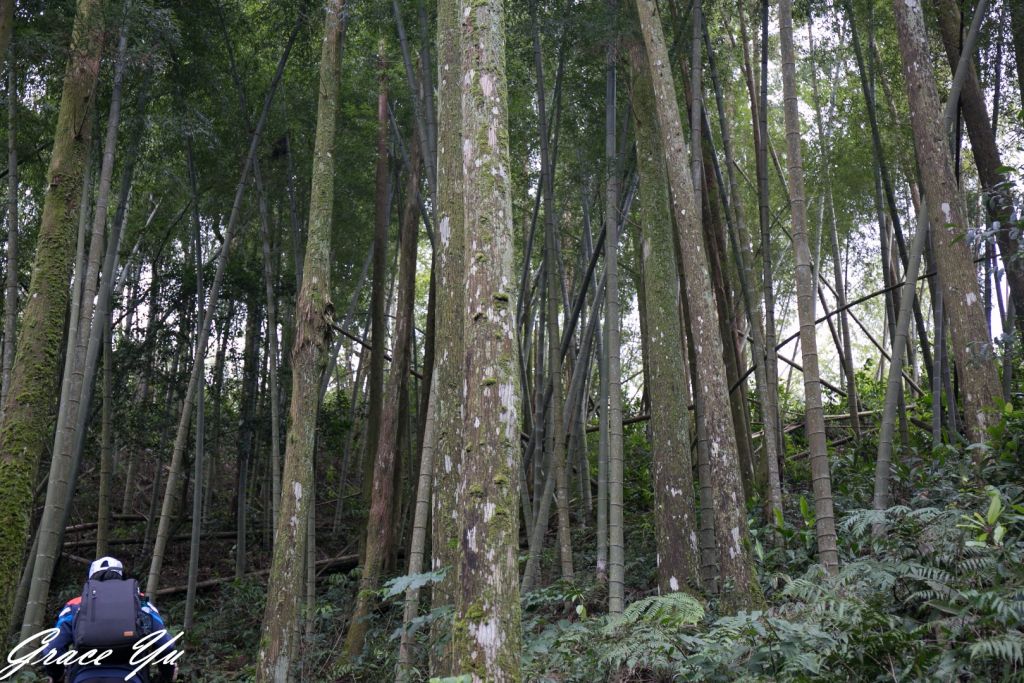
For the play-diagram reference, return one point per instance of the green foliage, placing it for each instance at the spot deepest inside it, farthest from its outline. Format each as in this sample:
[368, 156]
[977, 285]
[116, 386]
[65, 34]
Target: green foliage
[924, 601]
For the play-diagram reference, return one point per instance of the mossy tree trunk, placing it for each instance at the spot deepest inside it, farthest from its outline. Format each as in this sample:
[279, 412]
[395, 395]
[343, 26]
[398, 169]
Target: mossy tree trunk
[986, 154]
[58, 489]
[730, 508]
[380, 527]
[486, 637]
[379, 285]
[972, 347]
[451, 292]
[11, 289]
[671, 466]
[29, 409]
[278, 642]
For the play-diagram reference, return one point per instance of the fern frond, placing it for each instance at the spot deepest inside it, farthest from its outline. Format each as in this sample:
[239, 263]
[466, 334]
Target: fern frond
[1008, 647]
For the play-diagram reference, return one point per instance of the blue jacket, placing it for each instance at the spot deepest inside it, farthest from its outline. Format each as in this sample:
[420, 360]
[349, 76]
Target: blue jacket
[79, 674]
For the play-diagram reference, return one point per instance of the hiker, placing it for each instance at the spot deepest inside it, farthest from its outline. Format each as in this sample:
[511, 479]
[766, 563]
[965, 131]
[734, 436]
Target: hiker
[110, 615]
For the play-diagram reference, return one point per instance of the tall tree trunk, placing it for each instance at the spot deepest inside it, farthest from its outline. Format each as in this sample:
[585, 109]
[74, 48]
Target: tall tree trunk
[58, 491]
[972, 346]
[278, 642]
[106, 449]
[200, 448]
[246, 430]
[730, 508]
[448, 371]
[181, 436]
[612, 344]
[881, 499]
[486, 636]
[29, 407]
[269, 278]
[821, 479]
[380, 534]
[671, 467]
[743, 253]
[556, 440]
[11, 290]
[760, 109]
[986, 153]
[378, 296]
[418, 545]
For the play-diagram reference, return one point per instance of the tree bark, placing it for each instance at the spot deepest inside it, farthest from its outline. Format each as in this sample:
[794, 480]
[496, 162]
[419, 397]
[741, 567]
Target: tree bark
[972, 347]
[449, 263]
[106, 449]
[671, 466]
[278, 642]
[11, 290]
[486, 636]
[378, 295]
[379, 527]
[986, 154]
[821, 479]
[730, 508]
[29, 406]
[58, 490]
[612, 345]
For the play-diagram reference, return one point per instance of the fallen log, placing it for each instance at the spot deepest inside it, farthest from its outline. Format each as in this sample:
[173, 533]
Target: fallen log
[92, 525]
[139, 541]
[343, 562]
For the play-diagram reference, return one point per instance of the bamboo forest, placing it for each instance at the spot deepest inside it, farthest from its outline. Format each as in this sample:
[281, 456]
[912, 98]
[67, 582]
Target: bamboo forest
[462, 341]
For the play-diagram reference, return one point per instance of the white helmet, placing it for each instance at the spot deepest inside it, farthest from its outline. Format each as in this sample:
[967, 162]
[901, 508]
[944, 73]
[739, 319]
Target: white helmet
[105, 563]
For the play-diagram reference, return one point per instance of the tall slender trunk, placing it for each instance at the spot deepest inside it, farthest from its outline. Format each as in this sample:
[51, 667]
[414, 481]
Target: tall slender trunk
[743, 253]
[986, 153]
[278, 651]
[730, 509]
[11, 290]
[448, 371]
[77, 392]
[881, 497]
[972, 346]
[486, 636]
[612, 344]
[671, 467]
[821, 479]
[246, 430]
[200, 448]
[378, 296]
[28, 411]
[767, 281]
[418, 544]
[380, 527]
[181, 436]
[556, 440]
[269, 278]
[106, 449]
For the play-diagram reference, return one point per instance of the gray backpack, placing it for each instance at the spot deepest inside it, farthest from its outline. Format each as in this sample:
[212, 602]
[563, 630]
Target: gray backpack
[108, 618]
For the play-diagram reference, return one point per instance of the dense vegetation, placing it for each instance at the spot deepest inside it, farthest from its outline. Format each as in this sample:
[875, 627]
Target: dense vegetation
[550, 340]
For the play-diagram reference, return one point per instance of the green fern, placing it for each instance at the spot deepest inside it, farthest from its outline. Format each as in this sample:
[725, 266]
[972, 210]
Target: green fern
[1008, 648]
[671, 610]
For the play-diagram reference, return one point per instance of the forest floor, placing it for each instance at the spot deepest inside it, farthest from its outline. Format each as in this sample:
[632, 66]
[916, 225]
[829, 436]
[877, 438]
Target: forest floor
[938, 596]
